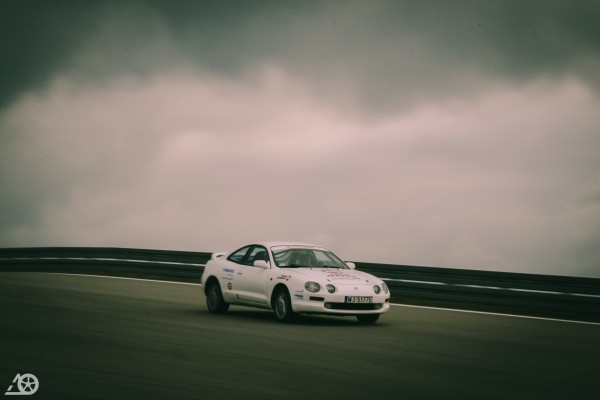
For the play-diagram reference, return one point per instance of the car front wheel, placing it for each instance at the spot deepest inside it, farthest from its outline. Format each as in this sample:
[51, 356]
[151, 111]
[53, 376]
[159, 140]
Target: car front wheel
[283, 306]
[367, 319]
[214, 299]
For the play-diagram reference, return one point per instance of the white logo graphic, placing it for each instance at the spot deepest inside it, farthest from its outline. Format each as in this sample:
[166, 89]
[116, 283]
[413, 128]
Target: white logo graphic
[26, 384]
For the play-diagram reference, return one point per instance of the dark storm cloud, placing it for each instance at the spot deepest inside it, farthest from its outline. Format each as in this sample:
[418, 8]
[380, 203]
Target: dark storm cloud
[36, 38]
[388, 53]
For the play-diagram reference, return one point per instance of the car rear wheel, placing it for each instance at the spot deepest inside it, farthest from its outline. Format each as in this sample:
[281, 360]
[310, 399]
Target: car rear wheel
[367, 319]
[283, 306]
[214, 299]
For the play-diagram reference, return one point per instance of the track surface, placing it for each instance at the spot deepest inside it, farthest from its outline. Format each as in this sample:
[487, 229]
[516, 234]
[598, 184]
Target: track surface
[104, 338]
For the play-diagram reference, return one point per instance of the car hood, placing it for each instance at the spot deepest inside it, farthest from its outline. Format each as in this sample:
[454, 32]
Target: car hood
[334, 275]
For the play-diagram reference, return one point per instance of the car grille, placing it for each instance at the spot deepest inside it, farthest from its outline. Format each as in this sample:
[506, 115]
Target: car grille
[353, 306]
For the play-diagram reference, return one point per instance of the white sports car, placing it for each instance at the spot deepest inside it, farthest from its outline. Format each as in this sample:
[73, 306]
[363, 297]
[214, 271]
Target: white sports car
[292, 278]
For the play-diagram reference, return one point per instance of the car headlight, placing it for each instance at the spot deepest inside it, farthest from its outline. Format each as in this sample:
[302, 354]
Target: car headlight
[330, 288]
[376, 289]
[385, 288]
[312, 287]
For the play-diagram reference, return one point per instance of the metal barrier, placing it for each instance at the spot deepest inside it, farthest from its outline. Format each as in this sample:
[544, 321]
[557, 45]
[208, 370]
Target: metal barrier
[545, 295]
[183, 266]
[559, 296]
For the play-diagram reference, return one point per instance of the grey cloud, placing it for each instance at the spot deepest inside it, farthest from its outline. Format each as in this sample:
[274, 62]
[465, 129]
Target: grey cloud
[161, 163]
[386, 54]
[434, 133]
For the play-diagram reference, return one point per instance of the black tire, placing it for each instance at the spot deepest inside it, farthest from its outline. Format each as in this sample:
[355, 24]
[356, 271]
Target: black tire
[282, 306]
[367, 319]
[214, 299]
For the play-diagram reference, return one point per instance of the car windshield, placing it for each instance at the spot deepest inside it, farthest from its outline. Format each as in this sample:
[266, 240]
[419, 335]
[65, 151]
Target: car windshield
[305, 257]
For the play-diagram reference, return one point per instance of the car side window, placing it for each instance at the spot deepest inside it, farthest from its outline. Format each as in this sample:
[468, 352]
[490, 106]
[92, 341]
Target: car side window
[238, 255]
[257, 253]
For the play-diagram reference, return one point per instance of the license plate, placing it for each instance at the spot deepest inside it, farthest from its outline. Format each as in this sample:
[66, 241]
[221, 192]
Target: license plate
[359, 299]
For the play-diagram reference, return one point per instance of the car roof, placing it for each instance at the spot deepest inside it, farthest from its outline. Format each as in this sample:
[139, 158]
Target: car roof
[284, 243]
[269, 244]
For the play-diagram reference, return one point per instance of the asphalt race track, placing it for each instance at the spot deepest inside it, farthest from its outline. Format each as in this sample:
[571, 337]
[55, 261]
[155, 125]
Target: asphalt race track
[107, 338]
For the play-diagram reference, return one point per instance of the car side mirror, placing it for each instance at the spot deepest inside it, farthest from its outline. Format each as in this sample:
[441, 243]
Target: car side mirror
[261, 264]
[351, 265]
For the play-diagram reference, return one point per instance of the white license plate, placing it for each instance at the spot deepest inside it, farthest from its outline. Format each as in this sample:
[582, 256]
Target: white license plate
[359, 299]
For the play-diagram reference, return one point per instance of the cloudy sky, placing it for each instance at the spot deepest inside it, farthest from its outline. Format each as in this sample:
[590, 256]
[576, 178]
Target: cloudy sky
[460, 134]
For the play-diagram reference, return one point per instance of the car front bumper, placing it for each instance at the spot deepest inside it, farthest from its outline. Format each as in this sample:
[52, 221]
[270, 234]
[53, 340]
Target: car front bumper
[337, 304]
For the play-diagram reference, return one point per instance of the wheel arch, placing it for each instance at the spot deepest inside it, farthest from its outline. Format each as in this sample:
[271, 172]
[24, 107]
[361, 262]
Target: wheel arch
[277, 288]
[209, 281]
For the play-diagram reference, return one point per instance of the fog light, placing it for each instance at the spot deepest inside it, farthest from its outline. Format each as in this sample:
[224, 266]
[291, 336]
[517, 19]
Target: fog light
[328, 306]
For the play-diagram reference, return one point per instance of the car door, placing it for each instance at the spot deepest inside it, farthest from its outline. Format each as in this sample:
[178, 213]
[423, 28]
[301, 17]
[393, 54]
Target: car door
[229, 274]
[251, 282]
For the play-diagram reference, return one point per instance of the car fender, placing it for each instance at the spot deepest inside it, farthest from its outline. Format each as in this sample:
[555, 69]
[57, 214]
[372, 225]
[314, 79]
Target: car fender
[218, 270]
[292, 281]
[276, 288]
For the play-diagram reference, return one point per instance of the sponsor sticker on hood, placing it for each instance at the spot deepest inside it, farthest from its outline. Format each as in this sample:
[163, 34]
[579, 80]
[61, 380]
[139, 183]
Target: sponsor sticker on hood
[340, 275]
